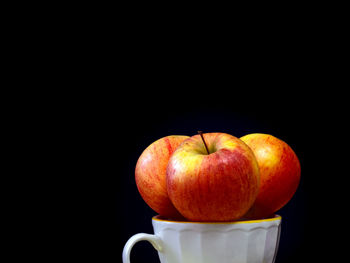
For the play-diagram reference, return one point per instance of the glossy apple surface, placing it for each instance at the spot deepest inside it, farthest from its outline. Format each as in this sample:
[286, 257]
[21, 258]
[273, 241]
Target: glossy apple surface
[279, 173]
[150, 174]
[219, 186]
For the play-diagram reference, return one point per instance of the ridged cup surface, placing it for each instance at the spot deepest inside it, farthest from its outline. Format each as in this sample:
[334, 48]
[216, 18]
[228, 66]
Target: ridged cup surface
[253, 241]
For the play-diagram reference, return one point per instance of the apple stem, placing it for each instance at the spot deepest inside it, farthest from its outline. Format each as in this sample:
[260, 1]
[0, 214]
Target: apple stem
[206, 147]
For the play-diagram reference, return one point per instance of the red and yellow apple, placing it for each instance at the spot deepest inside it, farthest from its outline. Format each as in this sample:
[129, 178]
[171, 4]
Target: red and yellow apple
[279, 173]
[217, 186]
[150, 174]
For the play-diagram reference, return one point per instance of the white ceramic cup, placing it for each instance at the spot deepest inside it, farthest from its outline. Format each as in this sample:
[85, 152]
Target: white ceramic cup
[253, 241]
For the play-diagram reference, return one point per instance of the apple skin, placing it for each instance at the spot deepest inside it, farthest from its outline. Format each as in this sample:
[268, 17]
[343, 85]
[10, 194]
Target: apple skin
[279, 173]
[150, 174]
[220, 186]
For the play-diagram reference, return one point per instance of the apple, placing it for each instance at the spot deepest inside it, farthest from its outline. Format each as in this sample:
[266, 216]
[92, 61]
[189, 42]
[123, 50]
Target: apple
[279, 173]
[150, 174]
[213, 177]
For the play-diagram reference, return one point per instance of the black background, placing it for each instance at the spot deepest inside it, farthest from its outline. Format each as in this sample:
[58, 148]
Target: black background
[108, 92]
[126, 124]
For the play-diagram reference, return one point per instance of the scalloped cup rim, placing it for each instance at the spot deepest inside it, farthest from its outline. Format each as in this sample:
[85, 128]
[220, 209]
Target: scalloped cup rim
[275, 217]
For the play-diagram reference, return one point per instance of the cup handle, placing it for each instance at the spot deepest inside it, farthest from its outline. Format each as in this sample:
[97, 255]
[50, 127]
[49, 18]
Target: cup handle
[153, 239]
